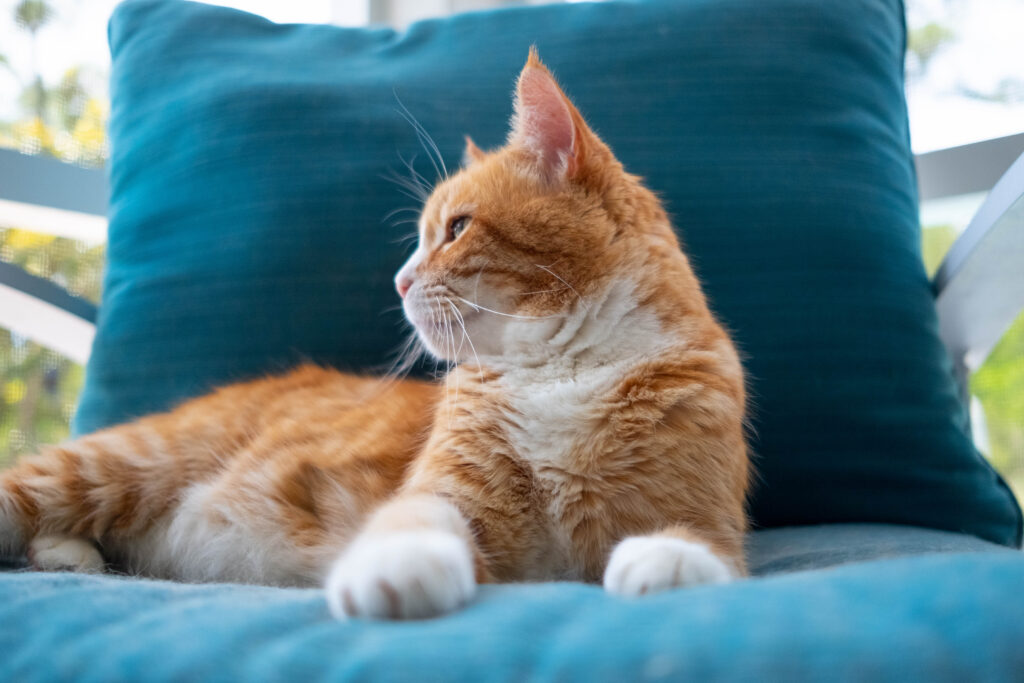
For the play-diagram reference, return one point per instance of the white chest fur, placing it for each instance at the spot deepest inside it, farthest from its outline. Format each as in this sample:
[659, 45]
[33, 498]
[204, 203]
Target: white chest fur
[554, 425]
[560, 387]
[561, 401]
[553, 418]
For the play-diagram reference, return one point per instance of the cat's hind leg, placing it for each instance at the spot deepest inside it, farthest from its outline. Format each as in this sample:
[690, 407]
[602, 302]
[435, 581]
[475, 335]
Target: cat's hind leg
[106, 488]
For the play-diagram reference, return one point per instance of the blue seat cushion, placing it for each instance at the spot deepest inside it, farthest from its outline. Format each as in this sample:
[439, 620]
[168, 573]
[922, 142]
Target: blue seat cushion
[248, 224]
[788, 549]
[951, 616]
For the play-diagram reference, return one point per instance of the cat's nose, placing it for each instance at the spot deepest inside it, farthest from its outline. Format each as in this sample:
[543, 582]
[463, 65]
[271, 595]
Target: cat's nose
[402, 284]
[406, 276]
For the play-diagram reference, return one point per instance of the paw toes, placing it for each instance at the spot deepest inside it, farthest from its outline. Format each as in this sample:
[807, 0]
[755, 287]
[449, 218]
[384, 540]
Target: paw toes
[650, 564]
[402, 576]
[64, 553]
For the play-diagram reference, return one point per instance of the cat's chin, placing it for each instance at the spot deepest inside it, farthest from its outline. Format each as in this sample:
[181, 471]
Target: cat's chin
[431, 335]
[435, 351]
[419, 316]
[458, 347]
[447, 333]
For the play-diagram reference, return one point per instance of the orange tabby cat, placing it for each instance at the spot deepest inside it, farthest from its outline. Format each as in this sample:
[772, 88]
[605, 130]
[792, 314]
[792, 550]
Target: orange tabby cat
[592, 426]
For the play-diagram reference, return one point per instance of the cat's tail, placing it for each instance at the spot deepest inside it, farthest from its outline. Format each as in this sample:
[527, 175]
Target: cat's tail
[12, 527]
[115, 482]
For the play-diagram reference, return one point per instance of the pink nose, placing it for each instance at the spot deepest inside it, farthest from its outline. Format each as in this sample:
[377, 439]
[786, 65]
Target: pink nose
[402, 284]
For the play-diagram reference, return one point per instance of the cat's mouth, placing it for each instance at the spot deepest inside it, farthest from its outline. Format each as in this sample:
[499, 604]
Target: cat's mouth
[440, 322]
[425, 310]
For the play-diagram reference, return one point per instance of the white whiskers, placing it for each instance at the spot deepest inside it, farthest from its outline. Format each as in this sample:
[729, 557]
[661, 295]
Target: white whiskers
[433, 153]
[452, 361]
[477, 307]
[405, 360]
[465, 335]
[547, 269]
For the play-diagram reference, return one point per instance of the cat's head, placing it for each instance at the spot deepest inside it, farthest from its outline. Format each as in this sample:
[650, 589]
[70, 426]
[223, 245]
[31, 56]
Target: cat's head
[526, 244]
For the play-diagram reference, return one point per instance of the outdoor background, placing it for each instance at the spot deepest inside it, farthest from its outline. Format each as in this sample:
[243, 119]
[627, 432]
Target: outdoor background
[964, 66]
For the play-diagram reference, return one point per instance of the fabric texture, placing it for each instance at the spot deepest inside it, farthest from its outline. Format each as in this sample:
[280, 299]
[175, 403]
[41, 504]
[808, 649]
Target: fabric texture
[250, 227]
[789, 549]
[945, 617]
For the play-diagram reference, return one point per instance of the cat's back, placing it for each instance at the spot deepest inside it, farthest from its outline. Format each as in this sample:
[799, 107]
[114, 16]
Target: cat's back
[345, 413]
[321, 396]
[309, 412]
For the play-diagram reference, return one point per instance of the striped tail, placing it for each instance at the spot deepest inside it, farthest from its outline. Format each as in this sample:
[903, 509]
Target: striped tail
[12, 524]
[113, 483]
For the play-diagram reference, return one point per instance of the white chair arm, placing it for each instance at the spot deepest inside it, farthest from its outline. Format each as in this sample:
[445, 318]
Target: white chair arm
[980, 285]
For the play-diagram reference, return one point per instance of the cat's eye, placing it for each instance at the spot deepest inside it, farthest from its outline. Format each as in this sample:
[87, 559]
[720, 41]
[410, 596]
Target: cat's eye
[456, 225]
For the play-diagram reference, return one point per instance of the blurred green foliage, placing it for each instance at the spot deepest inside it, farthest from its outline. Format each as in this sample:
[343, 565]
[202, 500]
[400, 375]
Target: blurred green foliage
[39, 392]
[999, 385]
[62, 119]
[39, 387]
[924, 42]
[935, 242]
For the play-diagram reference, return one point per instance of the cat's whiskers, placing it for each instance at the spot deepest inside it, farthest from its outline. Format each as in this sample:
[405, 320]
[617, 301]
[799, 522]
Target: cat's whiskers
[428, 142]
[477, 307]
[449, 342]
[465, 335]
[435, 325]
[407, 357]
[454, 363]
[410, 349]
[476, 289]
[462, 342]
[404, 360]
[408, 238]
[547, 269]
[440, 342]
[476, 285]
[400, 210]
[415, 175]
[543, 291]
[414, 187]
[409, 188]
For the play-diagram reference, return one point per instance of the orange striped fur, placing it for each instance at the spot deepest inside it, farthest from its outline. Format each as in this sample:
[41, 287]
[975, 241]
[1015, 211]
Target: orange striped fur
[591, 427]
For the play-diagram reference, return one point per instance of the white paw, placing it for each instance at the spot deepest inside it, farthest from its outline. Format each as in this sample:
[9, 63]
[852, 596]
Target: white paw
[64, 554]
[649, 564]
[407, 575]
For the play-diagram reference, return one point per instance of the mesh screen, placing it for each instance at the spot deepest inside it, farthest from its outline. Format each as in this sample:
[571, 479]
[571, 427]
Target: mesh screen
[39, 387]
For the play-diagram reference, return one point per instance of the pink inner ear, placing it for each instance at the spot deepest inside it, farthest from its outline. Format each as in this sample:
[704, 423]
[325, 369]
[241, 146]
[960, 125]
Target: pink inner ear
[543, 122]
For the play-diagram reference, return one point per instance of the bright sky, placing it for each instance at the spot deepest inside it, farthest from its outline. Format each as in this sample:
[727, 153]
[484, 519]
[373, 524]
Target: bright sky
[989, 48]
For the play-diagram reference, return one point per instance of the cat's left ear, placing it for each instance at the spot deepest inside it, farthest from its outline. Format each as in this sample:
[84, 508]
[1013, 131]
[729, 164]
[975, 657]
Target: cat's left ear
[471, 154]
[546, 124]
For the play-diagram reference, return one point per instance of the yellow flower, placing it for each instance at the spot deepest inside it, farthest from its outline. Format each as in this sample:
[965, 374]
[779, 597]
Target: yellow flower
[26, 239]
[89, 131]
[14, 391]
[33, 135]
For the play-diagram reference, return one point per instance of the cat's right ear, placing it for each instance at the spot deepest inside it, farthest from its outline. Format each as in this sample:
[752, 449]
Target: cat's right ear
[546, 124]
[471, 154]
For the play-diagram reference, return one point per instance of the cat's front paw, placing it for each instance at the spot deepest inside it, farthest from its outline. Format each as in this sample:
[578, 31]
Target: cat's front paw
[64, 554]
[409, 575]
[649, 564]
